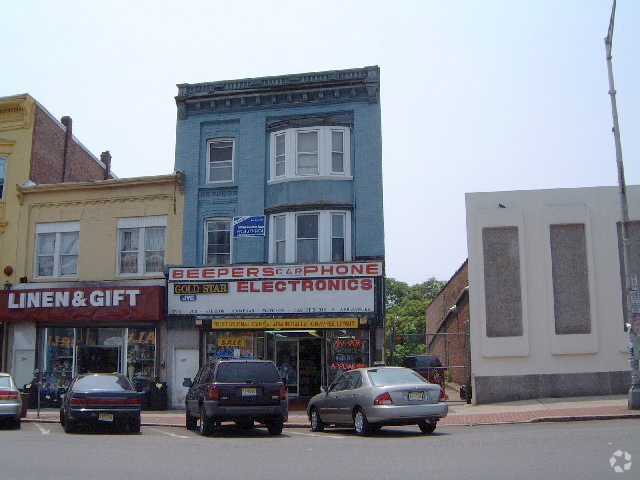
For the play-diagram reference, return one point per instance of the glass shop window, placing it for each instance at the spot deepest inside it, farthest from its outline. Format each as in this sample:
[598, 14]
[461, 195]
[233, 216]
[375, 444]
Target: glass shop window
[348, 349]
[230, 344]
[141, 354]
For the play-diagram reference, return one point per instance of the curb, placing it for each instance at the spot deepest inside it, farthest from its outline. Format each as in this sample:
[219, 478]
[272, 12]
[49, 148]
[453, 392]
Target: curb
[582, 418]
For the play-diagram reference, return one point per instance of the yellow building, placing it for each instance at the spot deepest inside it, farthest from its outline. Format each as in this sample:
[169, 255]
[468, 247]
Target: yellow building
[89, 277]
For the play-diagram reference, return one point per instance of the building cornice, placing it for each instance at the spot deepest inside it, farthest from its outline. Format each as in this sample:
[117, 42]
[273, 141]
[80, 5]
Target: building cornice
[335, 86]
[16, 112]
[175, 179]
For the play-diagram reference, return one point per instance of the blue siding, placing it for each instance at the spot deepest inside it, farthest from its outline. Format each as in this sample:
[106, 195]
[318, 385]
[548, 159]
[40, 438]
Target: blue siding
[249, 194]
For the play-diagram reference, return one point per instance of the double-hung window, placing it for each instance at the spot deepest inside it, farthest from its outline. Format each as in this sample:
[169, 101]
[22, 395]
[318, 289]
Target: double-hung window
[141, 245]
[217, 241]
[304, 153]
[56, 252]
[220, 160]
[307, 237]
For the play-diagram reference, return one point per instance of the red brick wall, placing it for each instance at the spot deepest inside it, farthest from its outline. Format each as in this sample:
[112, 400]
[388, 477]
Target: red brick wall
[450, 349]
[47, 155]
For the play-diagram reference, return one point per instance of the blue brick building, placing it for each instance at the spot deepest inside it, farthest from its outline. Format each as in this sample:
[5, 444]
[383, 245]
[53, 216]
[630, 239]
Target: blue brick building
[284, 220]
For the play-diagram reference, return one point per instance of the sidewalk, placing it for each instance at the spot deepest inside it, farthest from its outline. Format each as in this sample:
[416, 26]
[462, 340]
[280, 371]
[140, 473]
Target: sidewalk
[525, 411]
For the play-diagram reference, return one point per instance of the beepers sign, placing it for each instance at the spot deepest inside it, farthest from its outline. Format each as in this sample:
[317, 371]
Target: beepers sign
[249, 272]
[98, 304]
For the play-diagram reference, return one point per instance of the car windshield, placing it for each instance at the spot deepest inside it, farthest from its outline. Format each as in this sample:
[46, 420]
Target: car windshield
[247, 373]
[394, 376]
[5, 382]
[103, 382]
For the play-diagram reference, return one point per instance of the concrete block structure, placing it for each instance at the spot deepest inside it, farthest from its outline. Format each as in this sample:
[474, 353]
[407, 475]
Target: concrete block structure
[546, 292]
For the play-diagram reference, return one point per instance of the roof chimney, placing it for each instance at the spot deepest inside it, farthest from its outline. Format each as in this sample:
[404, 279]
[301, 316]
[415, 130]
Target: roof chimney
[105, 157]
[67, 122]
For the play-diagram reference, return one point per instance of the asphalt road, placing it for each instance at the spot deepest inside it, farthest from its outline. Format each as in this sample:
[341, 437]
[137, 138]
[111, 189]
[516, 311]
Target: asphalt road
[42, 451]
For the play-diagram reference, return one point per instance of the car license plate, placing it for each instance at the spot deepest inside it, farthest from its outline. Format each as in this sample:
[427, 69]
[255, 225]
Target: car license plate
[105, 417]
[249, 392]
[416, 395]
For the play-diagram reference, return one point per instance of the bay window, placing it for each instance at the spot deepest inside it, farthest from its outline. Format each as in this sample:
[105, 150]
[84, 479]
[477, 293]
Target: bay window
[321, 152]
[307, 237]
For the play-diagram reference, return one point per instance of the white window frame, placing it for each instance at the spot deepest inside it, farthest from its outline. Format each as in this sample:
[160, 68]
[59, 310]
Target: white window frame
[233, 155]
[325, 150]
[58, 229]
[141, 224]
[229, 220]
[324, 235]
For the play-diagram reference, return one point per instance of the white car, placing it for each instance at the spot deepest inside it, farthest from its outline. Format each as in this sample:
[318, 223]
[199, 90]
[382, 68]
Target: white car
[10, 402]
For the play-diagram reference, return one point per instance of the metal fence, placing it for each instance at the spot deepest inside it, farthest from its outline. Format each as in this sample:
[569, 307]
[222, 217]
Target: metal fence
[453, 351]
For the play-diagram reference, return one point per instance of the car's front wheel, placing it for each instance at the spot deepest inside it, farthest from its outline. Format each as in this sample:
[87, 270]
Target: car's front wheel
[361, 424]
[317, 425]
[426, 427]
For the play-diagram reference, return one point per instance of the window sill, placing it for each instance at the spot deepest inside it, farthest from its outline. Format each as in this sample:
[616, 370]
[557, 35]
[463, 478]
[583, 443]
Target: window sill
[309, 177]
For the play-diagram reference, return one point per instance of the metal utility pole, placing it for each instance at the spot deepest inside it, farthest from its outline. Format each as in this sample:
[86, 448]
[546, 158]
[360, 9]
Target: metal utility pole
[631, 283]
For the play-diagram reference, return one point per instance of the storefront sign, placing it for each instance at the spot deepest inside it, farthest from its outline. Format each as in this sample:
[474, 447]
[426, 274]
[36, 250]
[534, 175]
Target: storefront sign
[232, 342]
[109, 303]
[285, 323]
[253, 272]
[249, 226]
[276, 297]
[196, 288]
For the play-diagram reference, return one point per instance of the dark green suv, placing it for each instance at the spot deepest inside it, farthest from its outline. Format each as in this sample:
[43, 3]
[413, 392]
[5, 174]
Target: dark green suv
[242, 391]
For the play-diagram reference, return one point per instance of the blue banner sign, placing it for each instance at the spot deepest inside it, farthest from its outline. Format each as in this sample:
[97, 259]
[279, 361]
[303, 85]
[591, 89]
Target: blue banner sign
[249, 226]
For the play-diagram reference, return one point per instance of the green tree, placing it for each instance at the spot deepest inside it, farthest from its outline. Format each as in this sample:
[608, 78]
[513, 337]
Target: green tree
[405, 308]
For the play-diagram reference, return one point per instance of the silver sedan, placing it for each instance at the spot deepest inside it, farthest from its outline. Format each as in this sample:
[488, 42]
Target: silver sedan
[10, 402]
[368, 398]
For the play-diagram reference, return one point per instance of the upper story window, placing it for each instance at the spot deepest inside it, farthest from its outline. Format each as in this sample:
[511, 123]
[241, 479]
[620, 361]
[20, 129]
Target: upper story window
[217, 241]
[3, 175]
[220, 160]
[141, 245]
[57, 249]
[310, 152]
[308, 237]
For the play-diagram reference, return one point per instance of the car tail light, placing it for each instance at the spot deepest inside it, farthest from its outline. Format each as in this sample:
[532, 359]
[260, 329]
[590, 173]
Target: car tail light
[213, 393]
[134, 401]
[283, 392]
[8, 395]
[78, 401]
[384, 399]
[442, 396]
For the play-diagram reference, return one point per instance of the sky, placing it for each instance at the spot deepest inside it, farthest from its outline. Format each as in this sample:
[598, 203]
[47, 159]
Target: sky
[476, 96]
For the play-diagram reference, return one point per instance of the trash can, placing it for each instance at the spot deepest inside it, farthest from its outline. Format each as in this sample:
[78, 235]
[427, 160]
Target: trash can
[143, 385]
[25, 403]
[158, 396]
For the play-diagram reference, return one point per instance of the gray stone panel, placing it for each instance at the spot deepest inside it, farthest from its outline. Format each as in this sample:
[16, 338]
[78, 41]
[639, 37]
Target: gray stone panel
[508, 388]
[570, 274]
[502, 281]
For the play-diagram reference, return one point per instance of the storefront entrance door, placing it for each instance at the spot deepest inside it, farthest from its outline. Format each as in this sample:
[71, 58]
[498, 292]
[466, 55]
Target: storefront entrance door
[287, 362]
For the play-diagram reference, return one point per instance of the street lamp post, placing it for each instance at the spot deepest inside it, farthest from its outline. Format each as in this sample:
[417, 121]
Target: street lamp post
[631, 287]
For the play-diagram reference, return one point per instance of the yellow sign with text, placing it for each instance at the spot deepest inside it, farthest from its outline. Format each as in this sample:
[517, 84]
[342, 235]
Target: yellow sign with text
[232, 342]
[284, 323]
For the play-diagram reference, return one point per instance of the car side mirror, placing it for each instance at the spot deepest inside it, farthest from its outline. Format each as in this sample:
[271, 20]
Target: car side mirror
[187, 383]
[323, 389]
